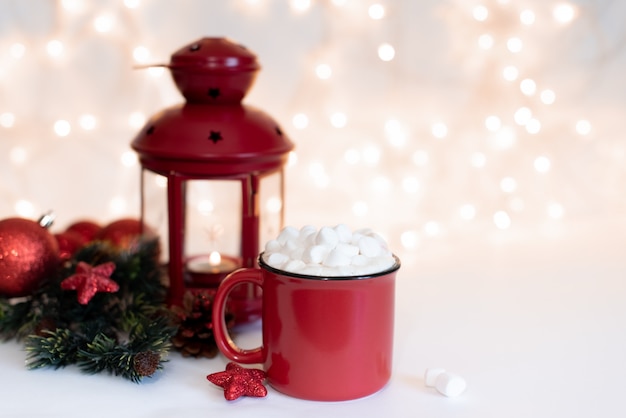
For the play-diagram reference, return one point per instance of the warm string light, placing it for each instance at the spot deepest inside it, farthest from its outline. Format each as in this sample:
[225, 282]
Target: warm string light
[338, 120]
[7, 120]
[132, 4]
[57, 49]
[141, 54]
[323, 71]
[381, 144]
[25, 209]
[485, 41]
[300, 6]
[386, 52]
[88, 122]
[439, 130]
[17, 50]
[583, 127]
[376, 11]
[18, 156]
[564, 13]
[527, 17]
[104, 23]
[136, 120]
[129, 159]
[62, 128]
[480, 13]
[300, 121]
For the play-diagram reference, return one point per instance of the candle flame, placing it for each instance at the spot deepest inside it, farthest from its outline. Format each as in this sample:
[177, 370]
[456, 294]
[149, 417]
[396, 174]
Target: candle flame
[215, 258]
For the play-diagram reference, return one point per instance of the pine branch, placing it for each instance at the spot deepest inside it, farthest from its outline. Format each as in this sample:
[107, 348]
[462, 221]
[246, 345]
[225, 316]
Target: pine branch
[140, 357]
[17, 320]
[59, 331]
[53, 349]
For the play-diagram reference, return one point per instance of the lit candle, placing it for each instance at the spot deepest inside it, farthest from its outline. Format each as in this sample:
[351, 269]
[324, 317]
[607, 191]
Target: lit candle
[219, 265]
[211, 269]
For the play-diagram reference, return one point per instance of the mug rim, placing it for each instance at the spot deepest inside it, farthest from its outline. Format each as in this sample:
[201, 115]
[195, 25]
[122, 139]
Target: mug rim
[395, 267]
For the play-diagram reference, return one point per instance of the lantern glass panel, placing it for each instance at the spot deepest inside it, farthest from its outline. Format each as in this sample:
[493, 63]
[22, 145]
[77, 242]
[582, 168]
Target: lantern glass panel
[154, 207]
[271, 207]
[213, 217]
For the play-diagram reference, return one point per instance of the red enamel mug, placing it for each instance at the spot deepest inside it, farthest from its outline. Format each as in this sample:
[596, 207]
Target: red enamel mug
[324, 339]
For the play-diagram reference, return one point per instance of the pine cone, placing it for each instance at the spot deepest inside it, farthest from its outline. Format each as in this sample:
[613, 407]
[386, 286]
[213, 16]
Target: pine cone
[45, 324]
[195, 325]
[146, 363]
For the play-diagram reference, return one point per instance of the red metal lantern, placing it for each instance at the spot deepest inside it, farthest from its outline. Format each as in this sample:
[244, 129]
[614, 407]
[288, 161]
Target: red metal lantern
[212, 137]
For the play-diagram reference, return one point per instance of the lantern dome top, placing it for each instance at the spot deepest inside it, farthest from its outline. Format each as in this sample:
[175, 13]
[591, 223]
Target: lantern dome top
[213, 133]
[213, 70]
[214, 54]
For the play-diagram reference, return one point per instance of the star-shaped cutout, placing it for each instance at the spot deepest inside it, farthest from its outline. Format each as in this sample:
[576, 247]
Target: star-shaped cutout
[213, 93]
[238, 381]
[215, 136]
[89, 280]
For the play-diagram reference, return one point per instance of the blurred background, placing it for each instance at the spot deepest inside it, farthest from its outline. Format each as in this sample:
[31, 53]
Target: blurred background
[432, 122]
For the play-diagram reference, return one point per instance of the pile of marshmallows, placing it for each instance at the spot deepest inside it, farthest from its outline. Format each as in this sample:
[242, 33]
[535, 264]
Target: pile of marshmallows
[330, 252]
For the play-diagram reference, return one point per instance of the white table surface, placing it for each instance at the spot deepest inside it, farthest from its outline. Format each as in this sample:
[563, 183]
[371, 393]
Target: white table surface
[536, 324]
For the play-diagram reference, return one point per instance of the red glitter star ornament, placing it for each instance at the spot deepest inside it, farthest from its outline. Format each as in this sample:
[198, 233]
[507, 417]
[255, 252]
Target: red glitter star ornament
[89, 280]
[239, 381]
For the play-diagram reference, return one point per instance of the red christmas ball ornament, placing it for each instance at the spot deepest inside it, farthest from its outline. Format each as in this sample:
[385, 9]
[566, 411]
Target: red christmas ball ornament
[28, 254]
[124, 233]
[86, 229]
[69, 243]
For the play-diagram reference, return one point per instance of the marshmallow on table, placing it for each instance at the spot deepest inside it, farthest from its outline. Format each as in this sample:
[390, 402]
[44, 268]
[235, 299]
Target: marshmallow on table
[448, 384]
[431, 375]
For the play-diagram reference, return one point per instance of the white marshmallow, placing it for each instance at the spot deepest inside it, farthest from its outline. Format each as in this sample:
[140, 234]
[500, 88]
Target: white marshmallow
[272, 246]
[450, 384]
[311, 270]
[347, 271]
[356, 237]
[315, 254]
[380, 239]
[288, 232]
[327, 272]
[343, 232]
[292, 245]
[369, 247]
[327, 237]
[294, 266]
[330, 252]
[348, 250]
[296, 254]
[306, 231]
[364, 231]
[431, 376]
[380, 263]
[277, 259]
[336, 258]
[359, 260]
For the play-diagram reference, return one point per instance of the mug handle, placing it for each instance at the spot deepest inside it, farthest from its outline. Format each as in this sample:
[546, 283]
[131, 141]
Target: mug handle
[222, 339]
